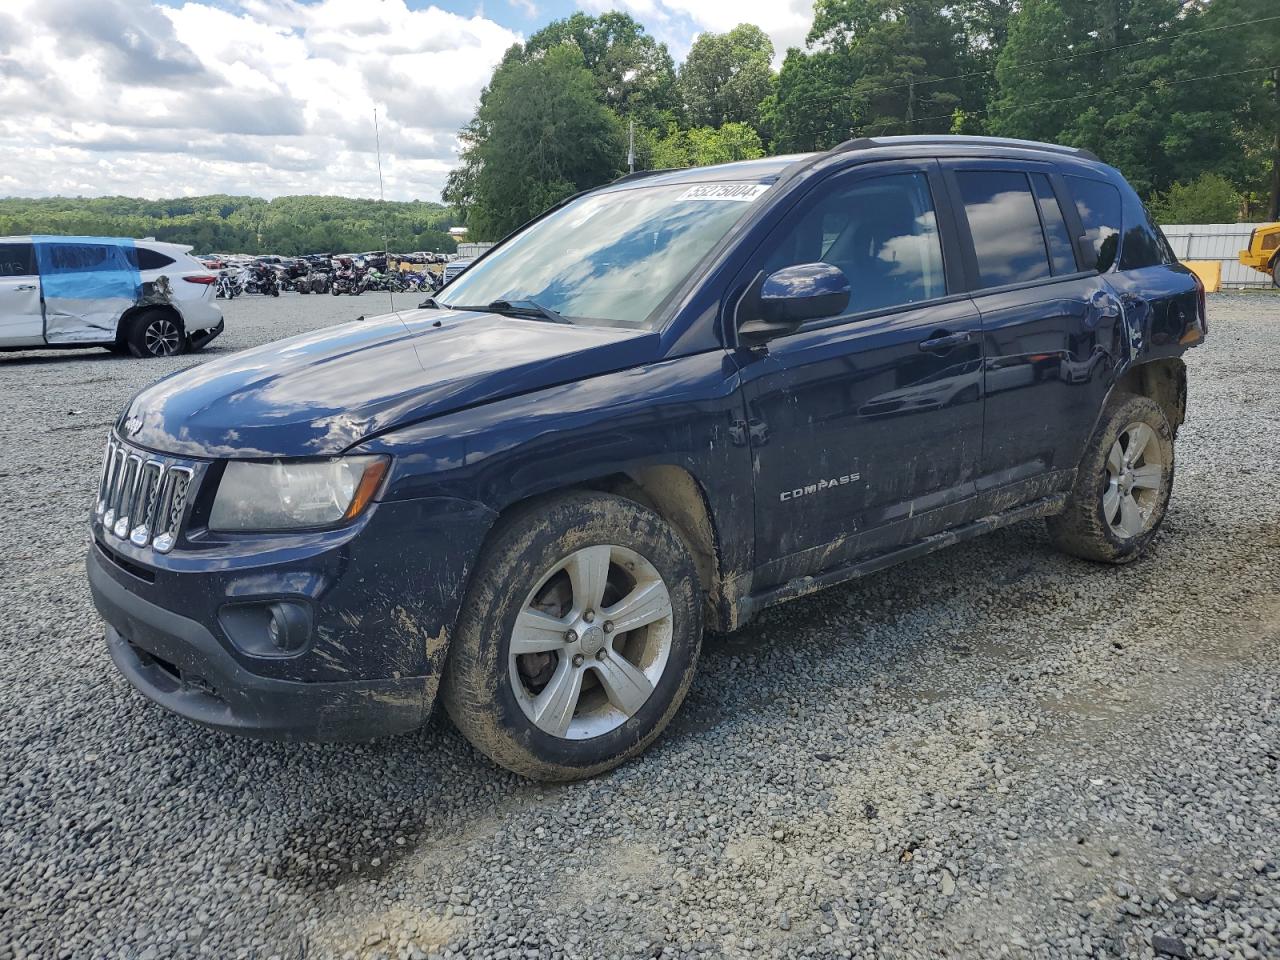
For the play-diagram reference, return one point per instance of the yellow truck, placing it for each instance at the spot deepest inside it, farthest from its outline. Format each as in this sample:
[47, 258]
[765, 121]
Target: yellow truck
[1264, 251]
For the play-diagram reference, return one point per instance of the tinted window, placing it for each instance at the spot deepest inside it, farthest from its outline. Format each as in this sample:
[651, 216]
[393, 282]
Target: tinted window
[1098, 204]
[1005, 226]
[152, 259]
[17, 260]
[882, 233]
[80, 257]
[1144, 246]
[1061, 255]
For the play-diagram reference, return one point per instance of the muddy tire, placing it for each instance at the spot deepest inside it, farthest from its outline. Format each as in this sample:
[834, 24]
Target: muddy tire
[155, 333]
[1121, 491]
[578, 640]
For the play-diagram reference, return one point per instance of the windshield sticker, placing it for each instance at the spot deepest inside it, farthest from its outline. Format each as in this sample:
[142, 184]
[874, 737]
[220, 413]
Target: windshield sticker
[742, 192]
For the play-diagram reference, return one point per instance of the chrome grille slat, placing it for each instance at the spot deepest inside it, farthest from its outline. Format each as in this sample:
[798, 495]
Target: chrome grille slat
[146, 496]
[124, 494]
[172, 505]
[142, 498]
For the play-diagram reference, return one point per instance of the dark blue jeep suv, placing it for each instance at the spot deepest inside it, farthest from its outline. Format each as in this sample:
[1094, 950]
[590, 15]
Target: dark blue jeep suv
[661, 406]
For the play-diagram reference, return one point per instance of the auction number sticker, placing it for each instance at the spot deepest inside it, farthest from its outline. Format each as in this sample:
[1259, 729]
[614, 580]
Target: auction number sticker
[742, 192]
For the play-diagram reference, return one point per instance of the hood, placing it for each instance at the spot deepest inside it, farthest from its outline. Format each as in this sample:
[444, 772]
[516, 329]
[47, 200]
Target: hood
[320, 393]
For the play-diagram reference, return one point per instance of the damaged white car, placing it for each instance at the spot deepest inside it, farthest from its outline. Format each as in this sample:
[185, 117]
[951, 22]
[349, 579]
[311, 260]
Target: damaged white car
[142, 297]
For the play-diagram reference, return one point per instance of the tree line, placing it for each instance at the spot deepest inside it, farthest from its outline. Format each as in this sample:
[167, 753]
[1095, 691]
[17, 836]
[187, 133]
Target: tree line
[1181, 95]
[286, 225]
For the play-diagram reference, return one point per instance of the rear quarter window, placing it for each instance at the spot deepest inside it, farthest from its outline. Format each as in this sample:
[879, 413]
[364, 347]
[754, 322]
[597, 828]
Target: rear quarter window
[1145, 246]
[152, 259]
[1098, 204]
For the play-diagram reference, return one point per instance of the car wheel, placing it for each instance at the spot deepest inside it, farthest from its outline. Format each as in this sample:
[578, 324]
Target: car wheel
[155, 333]
[1122, 487]
[1275, 272]
[578, 640]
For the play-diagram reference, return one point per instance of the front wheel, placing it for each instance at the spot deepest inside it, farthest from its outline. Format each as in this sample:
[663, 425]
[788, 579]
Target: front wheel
[578, 640]
[1275, 272]
[1122, 487]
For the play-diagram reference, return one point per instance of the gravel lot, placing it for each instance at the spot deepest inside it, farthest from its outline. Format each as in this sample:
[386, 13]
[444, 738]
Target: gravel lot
[996, 751]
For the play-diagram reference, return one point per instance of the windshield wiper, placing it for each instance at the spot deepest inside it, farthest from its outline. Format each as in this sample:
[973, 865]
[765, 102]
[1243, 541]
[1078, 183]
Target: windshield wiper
[527, 308]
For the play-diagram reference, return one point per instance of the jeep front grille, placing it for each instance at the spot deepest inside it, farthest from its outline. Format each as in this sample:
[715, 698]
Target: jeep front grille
[141, 497]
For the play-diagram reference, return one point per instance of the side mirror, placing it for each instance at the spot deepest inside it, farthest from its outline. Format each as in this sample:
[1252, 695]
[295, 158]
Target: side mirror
[792, 295]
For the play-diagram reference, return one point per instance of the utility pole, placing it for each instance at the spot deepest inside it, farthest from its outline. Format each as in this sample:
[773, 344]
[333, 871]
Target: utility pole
[1273, 211]
[631, 146]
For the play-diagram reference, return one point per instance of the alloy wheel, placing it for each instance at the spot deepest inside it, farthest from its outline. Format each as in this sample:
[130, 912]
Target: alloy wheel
[591, 642]
[162, 337]
[1135, 474]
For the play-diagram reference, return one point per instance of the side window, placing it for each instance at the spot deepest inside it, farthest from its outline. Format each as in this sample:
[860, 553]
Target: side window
[1144, 246]
[17, 260]
[1061, 255]
[149, 259]
[1098, 204]
[1005, 225]
[79, 257]
[882, 233]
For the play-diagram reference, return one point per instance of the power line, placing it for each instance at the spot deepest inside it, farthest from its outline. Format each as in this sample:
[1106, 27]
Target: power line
[1032, 63]
[1085, 96]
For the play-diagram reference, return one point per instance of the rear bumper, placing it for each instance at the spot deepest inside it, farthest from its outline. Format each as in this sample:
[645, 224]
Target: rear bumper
[177, 663]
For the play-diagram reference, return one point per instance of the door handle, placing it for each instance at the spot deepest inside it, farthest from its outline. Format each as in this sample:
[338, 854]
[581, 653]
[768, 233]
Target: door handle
[25, 286]
[945, 341]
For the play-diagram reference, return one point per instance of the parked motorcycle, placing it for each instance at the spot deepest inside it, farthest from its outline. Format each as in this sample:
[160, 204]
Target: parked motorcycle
[228, 286]
[263, 279]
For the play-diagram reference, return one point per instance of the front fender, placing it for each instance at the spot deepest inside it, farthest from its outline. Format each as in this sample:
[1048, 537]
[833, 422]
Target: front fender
[682, 412]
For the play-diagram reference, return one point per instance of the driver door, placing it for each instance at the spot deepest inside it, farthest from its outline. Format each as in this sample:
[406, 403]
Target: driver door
[21, 310]
[866, 428]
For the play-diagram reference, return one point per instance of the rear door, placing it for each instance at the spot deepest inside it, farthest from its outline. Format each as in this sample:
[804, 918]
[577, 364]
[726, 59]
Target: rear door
[21, 311]
[1050, 328]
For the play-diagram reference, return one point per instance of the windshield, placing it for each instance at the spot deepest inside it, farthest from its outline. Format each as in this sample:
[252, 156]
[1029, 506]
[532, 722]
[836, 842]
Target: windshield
[608, 258]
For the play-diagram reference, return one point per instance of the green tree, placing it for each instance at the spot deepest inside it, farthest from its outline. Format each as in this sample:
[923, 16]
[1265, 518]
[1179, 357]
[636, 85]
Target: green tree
[726, 77]
[539, 135]
[877, 67]
[809, 108]
[1209, 198]
[633, 72]
[1123, 81]
[702, 146]
[286, 225]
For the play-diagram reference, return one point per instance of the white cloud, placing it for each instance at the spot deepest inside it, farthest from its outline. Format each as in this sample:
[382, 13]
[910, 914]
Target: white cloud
[263, 97]
[785, 21]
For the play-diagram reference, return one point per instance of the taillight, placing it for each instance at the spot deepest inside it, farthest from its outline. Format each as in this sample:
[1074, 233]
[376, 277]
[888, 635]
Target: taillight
[1202, 306]
[201, 278]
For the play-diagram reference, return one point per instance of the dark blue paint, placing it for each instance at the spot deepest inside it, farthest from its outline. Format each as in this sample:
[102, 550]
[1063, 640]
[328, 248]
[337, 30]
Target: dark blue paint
[906, 421]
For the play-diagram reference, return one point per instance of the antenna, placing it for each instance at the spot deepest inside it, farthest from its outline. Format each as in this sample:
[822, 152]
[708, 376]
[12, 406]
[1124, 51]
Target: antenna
[386, 253]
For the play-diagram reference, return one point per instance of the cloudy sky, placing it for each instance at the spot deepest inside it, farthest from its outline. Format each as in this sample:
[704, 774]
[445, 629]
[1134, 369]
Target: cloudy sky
[161, 98]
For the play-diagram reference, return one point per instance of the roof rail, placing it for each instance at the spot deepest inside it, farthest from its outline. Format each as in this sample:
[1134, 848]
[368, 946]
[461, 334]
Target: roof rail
[867, 143]
[641, 174]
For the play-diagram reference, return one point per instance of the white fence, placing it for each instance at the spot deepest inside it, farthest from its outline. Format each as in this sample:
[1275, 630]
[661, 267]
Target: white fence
[1217, 241]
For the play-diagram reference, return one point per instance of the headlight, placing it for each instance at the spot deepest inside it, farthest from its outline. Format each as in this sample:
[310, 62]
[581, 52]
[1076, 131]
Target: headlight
[286, 495]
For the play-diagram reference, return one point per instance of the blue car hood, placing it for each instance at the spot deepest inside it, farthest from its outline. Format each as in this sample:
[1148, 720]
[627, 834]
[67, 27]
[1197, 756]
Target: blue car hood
[320, 393]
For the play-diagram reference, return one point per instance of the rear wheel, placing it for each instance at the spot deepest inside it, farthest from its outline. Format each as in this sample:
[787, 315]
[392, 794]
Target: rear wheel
[1275, 272]
[1122, 488]
[155, 333]
[579, 638]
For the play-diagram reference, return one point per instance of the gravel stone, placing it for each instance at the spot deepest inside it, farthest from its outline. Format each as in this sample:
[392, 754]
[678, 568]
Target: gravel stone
[1045, 732]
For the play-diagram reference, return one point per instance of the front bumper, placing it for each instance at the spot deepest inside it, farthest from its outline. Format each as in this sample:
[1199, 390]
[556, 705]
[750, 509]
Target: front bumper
[178, 663]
